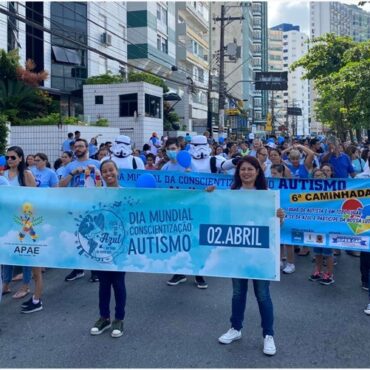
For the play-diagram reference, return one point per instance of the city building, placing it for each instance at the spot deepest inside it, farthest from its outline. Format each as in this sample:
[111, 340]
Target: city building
[342, 20]
[63, 50]
[192, 54]
[238, 67]
[260, 61]
[295, 45]
[277, 108]
[151, 35]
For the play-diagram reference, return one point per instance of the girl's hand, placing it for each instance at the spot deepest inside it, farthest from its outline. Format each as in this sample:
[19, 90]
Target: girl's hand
[281, 214]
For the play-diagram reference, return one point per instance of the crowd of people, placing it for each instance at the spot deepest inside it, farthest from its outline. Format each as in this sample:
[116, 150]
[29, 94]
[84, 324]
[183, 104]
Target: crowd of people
[249, 161]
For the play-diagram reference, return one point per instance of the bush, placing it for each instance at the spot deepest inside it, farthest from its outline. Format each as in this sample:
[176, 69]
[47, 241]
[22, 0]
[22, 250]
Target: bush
[102, 122]
[107, 78]
[3, 133]
[49, 120]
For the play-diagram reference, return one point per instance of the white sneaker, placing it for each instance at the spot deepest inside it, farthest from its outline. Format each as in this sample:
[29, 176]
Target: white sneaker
[367, 309]
[269, 345]
[230, 336]
[282, 265]
[289, 268]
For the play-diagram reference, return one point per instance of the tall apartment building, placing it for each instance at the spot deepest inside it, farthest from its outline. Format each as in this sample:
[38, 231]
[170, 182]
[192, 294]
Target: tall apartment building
[151, 35]
[63, 52]
[340, 19]
[192, 61]
[298, 94]
[260, 60]
[277, 108]
[238, 67]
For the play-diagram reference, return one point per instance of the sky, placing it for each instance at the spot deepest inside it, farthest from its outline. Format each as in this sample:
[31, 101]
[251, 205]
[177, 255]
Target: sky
[295, 12]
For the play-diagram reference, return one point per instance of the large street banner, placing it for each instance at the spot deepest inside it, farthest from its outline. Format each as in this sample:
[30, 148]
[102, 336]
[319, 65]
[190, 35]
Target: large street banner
[176, 180]
[332, 213]
[223, 233]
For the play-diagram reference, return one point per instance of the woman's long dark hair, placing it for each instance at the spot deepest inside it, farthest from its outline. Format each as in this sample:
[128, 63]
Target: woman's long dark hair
[260, 184]
[22, 164]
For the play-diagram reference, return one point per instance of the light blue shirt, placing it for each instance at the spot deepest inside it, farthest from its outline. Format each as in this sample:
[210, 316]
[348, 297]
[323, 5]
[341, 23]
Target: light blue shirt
[4, 181]
[66, 146]
[45, 178]
[170, 166]
[77, 180]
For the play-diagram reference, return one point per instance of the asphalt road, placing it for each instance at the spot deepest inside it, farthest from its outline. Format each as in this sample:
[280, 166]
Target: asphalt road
[177, 327]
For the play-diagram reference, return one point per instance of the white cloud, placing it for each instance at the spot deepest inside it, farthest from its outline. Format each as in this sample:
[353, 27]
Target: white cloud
[179, 261]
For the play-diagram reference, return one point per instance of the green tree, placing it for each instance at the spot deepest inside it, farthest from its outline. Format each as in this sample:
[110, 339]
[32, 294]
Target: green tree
[20, 97]
[339, 68]
[3, 133]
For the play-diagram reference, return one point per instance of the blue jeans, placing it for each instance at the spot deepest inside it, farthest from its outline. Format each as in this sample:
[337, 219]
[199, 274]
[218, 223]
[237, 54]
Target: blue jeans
[239, 300]
[8, 274]
[117, 280]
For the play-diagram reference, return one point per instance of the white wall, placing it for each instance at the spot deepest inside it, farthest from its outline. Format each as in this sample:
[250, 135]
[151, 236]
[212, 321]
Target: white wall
[116, 23]
[49, 139]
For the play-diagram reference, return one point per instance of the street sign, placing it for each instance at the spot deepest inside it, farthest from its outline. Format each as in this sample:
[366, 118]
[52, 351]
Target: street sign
[271, 81]
[294, 111]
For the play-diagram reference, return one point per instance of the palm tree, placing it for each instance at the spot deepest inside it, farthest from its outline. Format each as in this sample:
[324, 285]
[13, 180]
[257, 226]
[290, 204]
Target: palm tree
[19, 101]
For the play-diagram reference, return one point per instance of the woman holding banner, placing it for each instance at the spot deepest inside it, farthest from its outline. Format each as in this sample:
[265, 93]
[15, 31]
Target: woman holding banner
[108, 279]
[249, 176]
[18, 175]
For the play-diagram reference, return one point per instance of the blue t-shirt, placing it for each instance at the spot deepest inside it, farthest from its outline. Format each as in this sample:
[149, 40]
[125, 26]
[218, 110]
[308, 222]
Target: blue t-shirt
[66, 146]
[77, 180]
[92, 150]
[45, 178]
[170, 166]
[342, 165]
[299, 172]
[59, 172]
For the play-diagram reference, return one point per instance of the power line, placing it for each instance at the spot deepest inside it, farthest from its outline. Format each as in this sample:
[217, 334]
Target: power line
[92, 49]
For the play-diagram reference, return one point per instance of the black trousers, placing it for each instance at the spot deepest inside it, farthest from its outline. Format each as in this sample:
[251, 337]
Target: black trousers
[365, 267]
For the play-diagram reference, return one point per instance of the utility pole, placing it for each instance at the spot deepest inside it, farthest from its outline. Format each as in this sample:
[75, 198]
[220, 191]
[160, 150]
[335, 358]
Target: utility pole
[221, 89]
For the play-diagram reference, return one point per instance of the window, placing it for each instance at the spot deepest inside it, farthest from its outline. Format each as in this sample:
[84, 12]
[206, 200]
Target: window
[152, 106]
[164, 16]
[64, 55]
[164, 45]
[200, 75]
[159, 13]
[195, 73]
[99, 99]
[127, 105]
[194, 45]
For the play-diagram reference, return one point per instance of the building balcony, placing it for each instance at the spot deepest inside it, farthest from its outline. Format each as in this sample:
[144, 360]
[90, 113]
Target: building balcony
[186, 9]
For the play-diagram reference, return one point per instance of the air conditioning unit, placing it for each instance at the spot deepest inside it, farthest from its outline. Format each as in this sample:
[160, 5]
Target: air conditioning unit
[106, 39]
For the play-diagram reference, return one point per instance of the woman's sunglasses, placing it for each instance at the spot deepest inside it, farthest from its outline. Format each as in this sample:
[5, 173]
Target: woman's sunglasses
[12, 157]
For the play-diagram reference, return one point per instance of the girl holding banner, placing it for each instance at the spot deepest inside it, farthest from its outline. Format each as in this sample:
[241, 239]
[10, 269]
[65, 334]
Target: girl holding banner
[110, 174]
[18, 175]
[249, 176]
